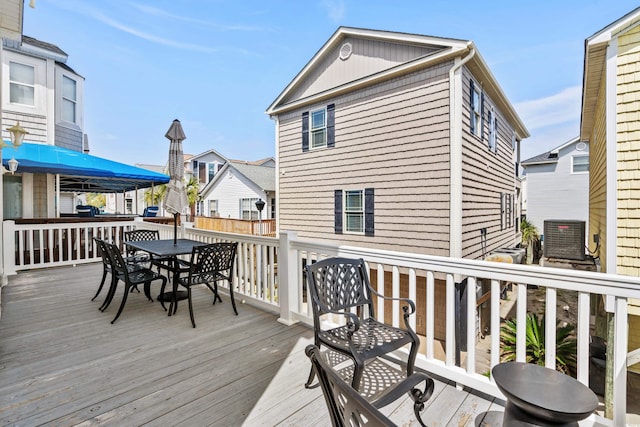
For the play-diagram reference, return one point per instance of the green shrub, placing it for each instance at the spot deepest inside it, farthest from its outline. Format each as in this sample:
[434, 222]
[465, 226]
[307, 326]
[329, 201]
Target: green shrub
[566, 344]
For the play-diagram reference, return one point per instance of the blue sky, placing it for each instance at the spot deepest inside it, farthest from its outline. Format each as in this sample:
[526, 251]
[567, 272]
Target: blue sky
[217, 65]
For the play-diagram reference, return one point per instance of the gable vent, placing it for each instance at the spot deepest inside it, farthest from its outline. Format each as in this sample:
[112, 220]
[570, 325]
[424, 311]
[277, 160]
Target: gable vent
[345, 51]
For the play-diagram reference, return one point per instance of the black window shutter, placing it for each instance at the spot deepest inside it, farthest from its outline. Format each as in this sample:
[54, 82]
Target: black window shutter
[305, 131]
[471, 107]
[481, 124]
[331, 119]
[337, 201]
[369, 204]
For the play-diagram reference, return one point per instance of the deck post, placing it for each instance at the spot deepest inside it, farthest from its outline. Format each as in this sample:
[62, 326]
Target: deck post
[287, 278]
[8, 250]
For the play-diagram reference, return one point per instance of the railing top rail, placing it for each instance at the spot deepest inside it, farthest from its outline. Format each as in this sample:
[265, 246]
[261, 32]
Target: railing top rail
[583, 281]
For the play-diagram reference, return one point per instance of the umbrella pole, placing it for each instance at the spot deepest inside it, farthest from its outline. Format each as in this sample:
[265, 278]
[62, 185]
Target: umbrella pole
[175, 228]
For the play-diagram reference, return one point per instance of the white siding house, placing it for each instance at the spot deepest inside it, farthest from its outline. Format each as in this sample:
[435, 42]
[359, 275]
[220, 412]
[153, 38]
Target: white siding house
[558, 184]
[236, 187]
[205, 166]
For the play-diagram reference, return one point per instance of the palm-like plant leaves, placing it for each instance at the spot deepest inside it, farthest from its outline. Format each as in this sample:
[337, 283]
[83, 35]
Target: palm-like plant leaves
[565, 343]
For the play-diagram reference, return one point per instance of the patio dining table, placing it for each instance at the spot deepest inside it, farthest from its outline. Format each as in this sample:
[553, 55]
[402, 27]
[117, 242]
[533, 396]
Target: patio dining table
[166, 248]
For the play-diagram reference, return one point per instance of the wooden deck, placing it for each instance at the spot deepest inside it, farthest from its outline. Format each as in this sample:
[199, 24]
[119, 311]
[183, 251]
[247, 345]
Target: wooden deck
[62, 363]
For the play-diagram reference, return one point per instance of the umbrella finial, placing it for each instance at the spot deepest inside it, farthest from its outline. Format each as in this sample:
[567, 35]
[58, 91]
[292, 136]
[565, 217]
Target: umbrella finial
[175, 132]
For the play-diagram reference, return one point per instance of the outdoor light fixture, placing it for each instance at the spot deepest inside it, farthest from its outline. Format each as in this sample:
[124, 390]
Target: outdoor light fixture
[17, 133]
[13, 165]
[260, 205]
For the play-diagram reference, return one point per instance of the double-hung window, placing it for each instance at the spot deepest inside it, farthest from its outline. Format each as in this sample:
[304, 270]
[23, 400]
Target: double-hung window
[580, 164]
[69, 99]
[248, 209]
[22, 84]
[319, 128]
[354, 211]
[212, 170]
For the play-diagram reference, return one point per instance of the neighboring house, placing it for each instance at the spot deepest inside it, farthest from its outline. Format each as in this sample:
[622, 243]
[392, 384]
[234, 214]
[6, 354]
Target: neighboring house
[42, 92]
[235, 189]
[400, 142]
[610, 123]
[558, 184]
[204, 167]
[45, 95]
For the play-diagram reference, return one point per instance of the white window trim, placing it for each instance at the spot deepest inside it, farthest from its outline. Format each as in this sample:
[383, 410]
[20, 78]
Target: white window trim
[573, 158]
[32, 86]
[79, 123]
[345, 211]
[311, 129]
[74, 101]
[252, 207]
[40, 68]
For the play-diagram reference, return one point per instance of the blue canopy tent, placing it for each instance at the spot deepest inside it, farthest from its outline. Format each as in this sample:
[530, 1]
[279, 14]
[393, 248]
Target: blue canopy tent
[82, 172]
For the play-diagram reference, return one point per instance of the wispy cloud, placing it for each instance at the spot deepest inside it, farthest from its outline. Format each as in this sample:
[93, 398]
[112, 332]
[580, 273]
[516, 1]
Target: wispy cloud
[160, 13]
[150, 37]
[335, 9]
[559, 108]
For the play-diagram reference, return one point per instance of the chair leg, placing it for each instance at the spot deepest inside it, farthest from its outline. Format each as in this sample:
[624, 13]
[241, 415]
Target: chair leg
[147, 290]
[233, 300]
[112, 291]
[104, 276]
[312, 375]
[160, 296]
[124, 300]
[193, 321]
[214, 290]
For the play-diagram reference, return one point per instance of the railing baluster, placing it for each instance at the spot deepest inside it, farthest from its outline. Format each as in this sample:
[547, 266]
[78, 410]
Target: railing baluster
[582, 359]
[550, 328]
[521, 320]
[450, 321]
[495, 323]
[430, 314]
[413, 296]
[395, 293]
[620, 349]
[471, 325]
[380, 289]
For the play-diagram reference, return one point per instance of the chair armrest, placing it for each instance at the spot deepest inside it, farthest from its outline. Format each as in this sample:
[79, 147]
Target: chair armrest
[406, 386]
[353, 322]
[410, 303]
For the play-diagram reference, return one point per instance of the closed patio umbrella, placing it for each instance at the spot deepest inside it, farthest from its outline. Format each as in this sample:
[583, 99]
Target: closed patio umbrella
[175, 201]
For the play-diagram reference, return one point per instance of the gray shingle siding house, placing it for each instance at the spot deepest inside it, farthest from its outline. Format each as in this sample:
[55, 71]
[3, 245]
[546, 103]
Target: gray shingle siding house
[398, 141]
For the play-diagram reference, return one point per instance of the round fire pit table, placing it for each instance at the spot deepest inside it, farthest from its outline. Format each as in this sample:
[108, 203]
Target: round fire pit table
[540, 396]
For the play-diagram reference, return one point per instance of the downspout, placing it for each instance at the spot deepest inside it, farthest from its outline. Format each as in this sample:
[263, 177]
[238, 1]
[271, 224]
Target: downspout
[455, 142]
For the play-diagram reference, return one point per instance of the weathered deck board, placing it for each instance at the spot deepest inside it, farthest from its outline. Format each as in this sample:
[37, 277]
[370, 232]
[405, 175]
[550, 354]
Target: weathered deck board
[62, 363]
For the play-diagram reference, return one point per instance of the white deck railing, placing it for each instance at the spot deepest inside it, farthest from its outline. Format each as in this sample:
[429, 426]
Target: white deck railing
[269, 273]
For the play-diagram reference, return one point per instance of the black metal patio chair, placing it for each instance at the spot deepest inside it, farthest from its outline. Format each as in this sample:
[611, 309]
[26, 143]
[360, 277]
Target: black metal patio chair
[106, 267]
[347, 407]
[143, 257]
[208, 265]
[340, 286]
[130, 277]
